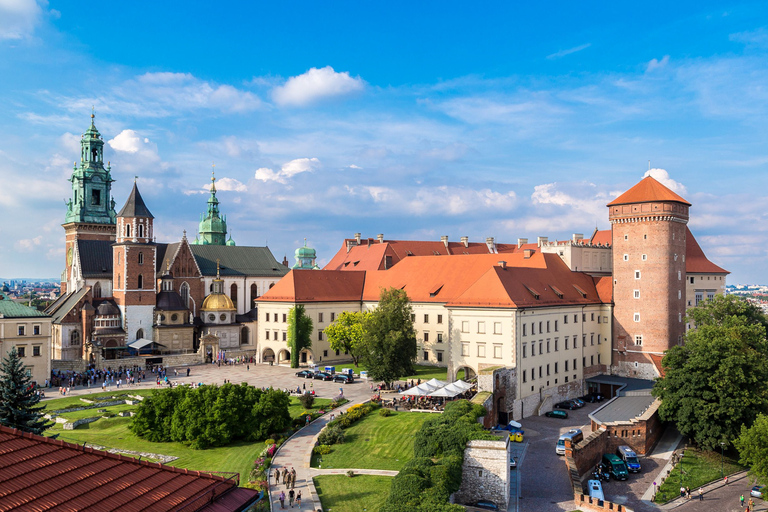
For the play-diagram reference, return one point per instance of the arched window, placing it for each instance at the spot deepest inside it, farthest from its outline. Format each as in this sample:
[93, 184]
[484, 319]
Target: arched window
[233, 293]
[254, 295]
[141, 254]
[184, 292]
[74, 338]
[97, 290]
[139, 334]
[119, 281]
[128, 230]
[141, 281]
[141, 230]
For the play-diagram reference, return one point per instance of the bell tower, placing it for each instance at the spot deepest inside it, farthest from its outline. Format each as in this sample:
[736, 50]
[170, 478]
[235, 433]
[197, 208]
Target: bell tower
[91, 209]
[134, 267]
[213, 225]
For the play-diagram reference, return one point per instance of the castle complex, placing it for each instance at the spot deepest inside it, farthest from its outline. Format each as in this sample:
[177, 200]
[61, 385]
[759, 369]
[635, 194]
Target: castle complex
[551, 314]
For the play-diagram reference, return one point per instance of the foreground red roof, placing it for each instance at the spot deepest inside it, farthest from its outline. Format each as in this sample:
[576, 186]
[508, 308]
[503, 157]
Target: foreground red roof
[696, 261]
[40, 473]
[646, 191]
[304, 285]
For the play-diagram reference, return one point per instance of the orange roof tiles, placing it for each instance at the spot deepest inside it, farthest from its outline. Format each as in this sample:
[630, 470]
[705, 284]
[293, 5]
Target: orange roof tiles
[40, 473]
[604, 288]
[304, 285]
[696, 261]
[604, 237]
[646, 191]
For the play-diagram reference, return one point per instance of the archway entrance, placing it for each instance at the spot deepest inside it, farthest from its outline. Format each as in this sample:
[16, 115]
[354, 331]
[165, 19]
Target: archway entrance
[268, 356]
[306, 357]
[283, 356]
[465, 373]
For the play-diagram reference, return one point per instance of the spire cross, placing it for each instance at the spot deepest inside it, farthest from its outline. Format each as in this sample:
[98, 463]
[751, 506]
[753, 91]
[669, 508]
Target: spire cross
[135, 178]
[217, 268]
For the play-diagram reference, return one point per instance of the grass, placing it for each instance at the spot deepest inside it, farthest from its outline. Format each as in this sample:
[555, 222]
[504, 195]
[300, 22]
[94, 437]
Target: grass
[422, 372]
[376, 442]
[340, 493]
[699, 468]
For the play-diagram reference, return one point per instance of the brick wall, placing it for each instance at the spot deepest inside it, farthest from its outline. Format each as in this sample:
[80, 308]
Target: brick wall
[640, 434]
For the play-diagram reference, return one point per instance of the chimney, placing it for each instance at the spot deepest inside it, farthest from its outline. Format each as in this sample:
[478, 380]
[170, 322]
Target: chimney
[521, 242]
[444, 239]
[491, 245]
[527, 253]
[465, 241]
[380, 238]
[542, 240]
[577, 236]
[503, 264]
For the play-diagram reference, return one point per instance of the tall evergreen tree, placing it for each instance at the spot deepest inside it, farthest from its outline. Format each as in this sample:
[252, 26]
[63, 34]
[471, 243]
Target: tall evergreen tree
[18, 400]
[299, 333]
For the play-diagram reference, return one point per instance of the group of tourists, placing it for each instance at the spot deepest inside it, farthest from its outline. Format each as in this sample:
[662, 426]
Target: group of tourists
[289, 479]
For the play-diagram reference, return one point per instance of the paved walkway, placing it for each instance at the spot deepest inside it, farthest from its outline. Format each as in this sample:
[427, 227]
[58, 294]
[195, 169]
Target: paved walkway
[718, 496]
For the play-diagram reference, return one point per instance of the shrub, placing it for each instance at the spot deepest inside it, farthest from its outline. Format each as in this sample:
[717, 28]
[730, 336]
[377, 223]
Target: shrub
[269, 441]
[385, 412]
[331, 435]
[307, 400]
[322, 449]
[350, 473]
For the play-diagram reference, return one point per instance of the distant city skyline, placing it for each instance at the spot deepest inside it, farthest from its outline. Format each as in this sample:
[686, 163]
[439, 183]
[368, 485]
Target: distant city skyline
[415, 121]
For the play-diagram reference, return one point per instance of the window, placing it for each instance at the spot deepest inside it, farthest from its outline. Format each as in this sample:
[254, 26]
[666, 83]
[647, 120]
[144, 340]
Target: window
[525, 333]
[96, 197]
[36, 350]
[22, 351]
[275, 317]
[541, 350]
[541, 327]
[128, 231]
[679, 317]
[637, 294]
[139, 334]
[626, 237]
[22, 330]
[36, 330]
[439, 337]
[74, 338]
[679, 295]
[141, 258]
[556, 344]
[692, 278]
[637, 274]
[439, 319]
[644, 257]
[320, 317]
[638, 339]
[699, 298]
[267, 317]
[626, 257]
[413, 317]
[566, 367]
[525, 350]
[598, 339]
[426, 336]
[583, 340]
[675, 256]
[285, 336]
[592, 339]
[333, 316]
[325, 353]
[320, 336]
[556, 368]
[337, 352]
[285, 318]
[679, 275]
[465, 349]
[710, 295]
[592, 317]
[533, 327]
[547, 370]
[556, 326]
[525, 375]
[496, 327]
[497, 351]
[574, 364]
[565, 319]
[481, 350]
[426, 319]
[464, 326]
[533, 373]
[566, 343]
[591, 360]
[575, 319]
[547, 325]
[140, 281]
[637, 317]
[439, 356]
[141, 230]
[583, 317]
[547, 346]
[480, 327]
[426, 355]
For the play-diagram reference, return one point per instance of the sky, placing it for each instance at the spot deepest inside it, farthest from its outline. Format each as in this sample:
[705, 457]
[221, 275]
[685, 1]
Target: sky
[411, 119]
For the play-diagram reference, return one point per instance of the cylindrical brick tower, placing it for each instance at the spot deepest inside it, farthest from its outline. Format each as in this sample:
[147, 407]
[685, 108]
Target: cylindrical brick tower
[648, 223]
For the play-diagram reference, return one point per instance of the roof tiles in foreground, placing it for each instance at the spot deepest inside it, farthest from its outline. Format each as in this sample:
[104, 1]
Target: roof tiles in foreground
[648, 190]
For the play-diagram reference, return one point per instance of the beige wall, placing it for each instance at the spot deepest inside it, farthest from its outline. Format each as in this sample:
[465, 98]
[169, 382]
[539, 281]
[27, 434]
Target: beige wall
[39, 365]
[703, 286]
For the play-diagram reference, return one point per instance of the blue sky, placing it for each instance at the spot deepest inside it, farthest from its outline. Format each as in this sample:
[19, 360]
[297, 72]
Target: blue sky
[411, 119]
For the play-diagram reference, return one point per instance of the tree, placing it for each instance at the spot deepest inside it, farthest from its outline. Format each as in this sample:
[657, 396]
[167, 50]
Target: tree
[299, 333]
[18, 399]
[388, 347]
[346, 333]
[753, 447]
[717, 381]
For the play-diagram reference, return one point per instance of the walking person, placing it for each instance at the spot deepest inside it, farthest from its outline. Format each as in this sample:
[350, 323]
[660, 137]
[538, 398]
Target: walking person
[277, 476]
[293, 477]
[701, 495]
[298, 499]
[291, 495]
[742, 501]
[282, 499]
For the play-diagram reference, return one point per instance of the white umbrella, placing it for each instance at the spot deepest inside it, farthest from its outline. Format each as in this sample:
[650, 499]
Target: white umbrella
[422, 389]
[436, 383]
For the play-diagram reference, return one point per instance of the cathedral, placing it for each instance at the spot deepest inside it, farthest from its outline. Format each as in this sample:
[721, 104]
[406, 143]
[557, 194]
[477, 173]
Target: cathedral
[125, 294]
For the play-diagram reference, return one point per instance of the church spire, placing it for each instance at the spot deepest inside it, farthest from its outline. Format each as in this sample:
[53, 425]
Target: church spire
[213, 225]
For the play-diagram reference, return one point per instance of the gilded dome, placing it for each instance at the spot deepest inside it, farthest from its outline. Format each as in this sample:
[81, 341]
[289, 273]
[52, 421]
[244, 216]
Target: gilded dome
[218, 302]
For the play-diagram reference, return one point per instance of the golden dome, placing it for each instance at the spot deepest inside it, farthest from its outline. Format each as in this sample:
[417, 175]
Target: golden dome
[218, 302]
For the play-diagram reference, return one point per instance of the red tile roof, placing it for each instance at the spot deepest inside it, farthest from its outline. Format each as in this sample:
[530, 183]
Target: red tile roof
[696, 261]
[40, 473]
[304, 285]
[656, 358]
[604, 287]
[604, 237]
[646, 191]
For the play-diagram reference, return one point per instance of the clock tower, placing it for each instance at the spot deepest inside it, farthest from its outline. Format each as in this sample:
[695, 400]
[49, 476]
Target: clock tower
[91, 209]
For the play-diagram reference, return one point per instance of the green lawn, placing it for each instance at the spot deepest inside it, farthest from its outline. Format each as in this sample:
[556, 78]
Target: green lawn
[340, 493]
[296, 409]
[699, 467]
[375, 442]
[421, 371]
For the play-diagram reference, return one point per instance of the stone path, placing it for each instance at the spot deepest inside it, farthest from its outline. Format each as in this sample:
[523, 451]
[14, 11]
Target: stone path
[718, 496]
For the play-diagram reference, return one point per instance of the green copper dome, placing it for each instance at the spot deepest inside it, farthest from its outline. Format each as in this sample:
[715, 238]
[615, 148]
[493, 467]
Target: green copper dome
[213, 226]
[305, 257]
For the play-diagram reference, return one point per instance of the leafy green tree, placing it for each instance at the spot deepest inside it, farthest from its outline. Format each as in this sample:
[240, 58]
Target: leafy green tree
[347, 332]
[299, 333]
[753, 447]
[718, 380]
[18, 400]
[388, 347]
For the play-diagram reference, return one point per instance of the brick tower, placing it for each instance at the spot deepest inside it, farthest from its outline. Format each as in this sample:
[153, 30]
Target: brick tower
[648, 225]
[134, 264]
[91, 209]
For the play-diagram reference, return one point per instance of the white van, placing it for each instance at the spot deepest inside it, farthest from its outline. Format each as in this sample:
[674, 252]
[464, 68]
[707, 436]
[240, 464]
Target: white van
[596, 490]
[575, 435]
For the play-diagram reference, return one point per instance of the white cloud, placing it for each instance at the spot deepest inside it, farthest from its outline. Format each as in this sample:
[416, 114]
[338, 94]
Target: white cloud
[128, 141]
[353, 166]
[563, 53]
[443, 200]
[18, 18]
[29, 244]
[288, 170]
[657, 64]
[752, 38]
[585, 198]
[314, 85]
[662, 177]
[230, 184]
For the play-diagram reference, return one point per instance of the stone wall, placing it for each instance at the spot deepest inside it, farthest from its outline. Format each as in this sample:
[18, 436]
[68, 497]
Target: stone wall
[641, 433]
[60, 365]
[77, 423]
[485, 473]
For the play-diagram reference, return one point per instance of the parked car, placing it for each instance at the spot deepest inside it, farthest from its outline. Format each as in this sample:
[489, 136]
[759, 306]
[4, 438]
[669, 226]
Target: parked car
[615, 466]
[565, 405]
[757, 491]
[322, 376]
[306, 374]
[485, 505]
[593, 397]
[346, 379]
[512, 463]
[579, 402]
[596, 489]
[556, 414]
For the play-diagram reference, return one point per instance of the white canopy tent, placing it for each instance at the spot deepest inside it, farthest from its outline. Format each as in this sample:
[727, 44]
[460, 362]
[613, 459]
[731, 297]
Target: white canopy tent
[423, 389]
[438, 388]
[140, 343]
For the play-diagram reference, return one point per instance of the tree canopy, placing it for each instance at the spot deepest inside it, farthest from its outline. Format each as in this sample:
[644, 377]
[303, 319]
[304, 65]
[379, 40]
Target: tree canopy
[347, 332]
[18, 399]
[299, 333]
[717, 381]
[753, 447]
[388, 347]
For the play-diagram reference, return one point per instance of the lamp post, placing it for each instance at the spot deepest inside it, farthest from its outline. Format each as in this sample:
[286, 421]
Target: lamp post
[722, 448]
